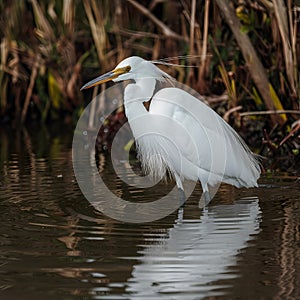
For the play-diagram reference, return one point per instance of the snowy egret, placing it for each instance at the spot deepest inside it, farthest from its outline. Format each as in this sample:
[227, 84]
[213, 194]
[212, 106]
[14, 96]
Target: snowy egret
[206, 149]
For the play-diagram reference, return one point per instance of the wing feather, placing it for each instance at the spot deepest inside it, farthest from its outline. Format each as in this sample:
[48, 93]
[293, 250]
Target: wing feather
[210, 143]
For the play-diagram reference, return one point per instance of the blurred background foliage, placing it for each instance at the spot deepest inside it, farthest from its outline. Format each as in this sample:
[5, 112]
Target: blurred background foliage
[246, 55]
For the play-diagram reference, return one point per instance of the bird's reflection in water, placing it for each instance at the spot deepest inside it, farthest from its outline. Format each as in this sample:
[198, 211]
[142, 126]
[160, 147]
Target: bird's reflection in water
[195, 255]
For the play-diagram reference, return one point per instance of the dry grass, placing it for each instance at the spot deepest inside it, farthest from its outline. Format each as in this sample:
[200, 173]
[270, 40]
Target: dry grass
[48, 49]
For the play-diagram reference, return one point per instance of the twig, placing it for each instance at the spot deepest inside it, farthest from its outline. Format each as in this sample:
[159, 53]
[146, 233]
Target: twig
[293, 131]
[216, 98]
[30, 88]
[283, 26]
[192, 27]
[97, 28]
[190, 76]
[205, 38]
[268, 141]
[270, 112]
[230, 111]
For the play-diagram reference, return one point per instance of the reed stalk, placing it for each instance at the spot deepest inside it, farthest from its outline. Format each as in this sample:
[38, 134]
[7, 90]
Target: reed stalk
[48, 49]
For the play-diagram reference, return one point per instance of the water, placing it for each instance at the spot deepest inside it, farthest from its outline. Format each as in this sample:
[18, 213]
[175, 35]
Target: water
[55, 245]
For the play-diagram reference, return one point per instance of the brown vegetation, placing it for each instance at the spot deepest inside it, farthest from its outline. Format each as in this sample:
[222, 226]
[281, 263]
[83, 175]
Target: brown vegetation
[247, 54]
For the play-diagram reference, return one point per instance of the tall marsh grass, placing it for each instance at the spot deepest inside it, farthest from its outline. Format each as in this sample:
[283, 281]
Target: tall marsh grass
[49, 48]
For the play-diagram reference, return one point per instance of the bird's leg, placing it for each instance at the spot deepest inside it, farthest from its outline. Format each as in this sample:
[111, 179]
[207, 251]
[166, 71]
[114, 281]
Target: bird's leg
[181, 196]
[205, 198]
[181, 193]
[180, 215]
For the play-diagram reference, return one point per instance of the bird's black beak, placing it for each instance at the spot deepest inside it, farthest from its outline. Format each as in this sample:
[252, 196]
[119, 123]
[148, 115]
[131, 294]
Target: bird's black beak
[106, 77]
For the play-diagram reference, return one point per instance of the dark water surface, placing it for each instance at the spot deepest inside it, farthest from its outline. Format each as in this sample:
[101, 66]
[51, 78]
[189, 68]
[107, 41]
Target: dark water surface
[55, 245]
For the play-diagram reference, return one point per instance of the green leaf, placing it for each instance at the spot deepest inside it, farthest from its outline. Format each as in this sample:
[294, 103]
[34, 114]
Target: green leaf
[276, 102]
[54, 91]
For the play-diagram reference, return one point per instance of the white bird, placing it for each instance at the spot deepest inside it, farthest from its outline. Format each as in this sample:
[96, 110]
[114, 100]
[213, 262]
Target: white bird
[180, 134]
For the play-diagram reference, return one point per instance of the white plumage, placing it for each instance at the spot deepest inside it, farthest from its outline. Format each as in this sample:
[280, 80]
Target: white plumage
[180, 133]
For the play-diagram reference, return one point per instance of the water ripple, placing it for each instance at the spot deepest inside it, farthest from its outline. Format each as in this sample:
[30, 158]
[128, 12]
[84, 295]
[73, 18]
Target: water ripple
[194, 255]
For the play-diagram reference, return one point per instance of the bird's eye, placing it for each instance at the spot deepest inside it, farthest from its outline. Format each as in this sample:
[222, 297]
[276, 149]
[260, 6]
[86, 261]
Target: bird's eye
[127, 69]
